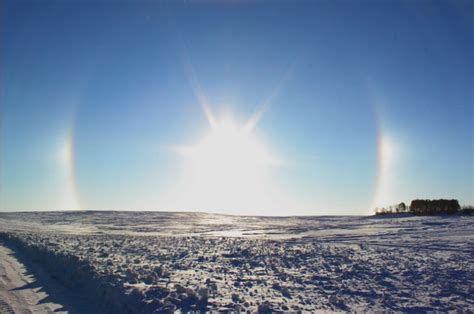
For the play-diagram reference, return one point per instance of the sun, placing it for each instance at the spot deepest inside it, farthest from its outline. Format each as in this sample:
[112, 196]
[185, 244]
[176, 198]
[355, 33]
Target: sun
[229, 148]
[230, 166]
[230, 169]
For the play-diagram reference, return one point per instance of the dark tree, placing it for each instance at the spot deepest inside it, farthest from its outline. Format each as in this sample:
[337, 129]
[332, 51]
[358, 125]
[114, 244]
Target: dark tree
[467, 210]
[401, 208]
[433, 207]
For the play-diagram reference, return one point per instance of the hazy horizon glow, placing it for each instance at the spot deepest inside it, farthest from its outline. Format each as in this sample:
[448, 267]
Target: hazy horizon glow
[310, 108]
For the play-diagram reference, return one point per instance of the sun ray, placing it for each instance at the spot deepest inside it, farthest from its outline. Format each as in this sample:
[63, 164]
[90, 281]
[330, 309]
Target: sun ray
[267, 102]
[198, 91]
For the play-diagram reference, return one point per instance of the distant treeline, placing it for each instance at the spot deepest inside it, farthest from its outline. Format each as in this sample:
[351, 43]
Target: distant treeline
[427, 207]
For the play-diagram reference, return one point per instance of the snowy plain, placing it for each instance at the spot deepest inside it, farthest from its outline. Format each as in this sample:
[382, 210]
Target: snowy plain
[145, 262]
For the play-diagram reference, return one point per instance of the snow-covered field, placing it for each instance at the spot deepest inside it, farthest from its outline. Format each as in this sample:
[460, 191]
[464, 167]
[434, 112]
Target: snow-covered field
[145, 261]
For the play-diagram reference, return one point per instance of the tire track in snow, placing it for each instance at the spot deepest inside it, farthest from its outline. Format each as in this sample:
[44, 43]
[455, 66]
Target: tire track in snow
[5, 307]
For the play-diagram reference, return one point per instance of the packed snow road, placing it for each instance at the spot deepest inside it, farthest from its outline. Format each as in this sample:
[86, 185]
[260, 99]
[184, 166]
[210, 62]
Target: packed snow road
[18, 291]
[26, 288]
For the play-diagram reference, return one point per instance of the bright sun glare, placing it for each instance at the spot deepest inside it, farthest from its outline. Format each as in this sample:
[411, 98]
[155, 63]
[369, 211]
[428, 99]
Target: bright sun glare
[228, 166]
[230, 169]
[230, 147]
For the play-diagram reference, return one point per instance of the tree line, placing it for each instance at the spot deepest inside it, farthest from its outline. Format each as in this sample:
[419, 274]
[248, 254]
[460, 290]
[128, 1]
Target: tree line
[426, 207]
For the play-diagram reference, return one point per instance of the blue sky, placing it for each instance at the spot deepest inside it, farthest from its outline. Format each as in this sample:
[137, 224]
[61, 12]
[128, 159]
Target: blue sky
[363, 103]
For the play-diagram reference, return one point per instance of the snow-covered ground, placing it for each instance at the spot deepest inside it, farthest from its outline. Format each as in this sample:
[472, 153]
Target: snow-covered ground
[146, 261]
